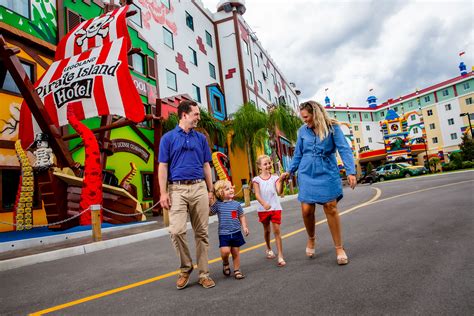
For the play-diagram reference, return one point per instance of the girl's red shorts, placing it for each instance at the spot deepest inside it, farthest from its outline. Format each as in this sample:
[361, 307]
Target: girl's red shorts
[270, 216]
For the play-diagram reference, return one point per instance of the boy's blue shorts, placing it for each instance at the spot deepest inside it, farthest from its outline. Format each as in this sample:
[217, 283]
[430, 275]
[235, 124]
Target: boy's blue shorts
[231, 240]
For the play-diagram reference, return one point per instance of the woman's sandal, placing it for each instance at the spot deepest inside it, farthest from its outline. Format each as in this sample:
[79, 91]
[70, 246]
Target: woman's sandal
[270, 254]
[226, 269]
[281, 262]
[310, 252]
[342, 259]
[238, 275]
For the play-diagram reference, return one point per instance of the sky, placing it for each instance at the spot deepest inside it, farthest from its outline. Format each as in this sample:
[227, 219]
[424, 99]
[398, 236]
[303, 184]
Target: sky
[350, 47]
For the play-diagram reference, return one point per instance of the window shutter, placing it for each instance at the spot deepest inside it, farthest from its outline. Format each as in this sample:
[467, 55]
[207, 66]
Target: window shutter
[130, 61]
[73, 20]
[151, 67]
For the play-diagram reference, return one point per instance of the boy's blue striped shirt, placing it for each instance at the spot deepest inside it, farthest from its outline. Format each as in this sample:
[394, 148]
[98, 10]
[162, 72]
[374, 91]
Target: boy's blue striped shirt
[228, 213]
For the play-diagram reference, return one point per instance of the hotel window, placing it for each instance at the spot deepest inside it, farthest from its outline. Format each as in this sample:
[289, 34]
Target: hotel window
[212, 71]
[454, 136]
[249, 77]
[273, 79]
[427, 98]
[445, 92]
[354, 115]
[260, 87]
[415, 130]
[366, 115]
[410, 104]
[451, 121]
[465, 85]
[189, 21]
[358, 140]
[434, 140]
[193, 56]
[395, 109]
[138, 63]
[257, 61]
[266, 72]
[137, 18]
[432, 126]
[9, 85]
[246, 47]
[20, 7]
[166, 3]
[468, 101]
[367, 127]
[356, 128]
[208, 39]
[269, 96]
[168, 38]
[171, 80]
[413, 117]
[196, 93]
[447, 107]
[429, 112]
[218, 103]
[382, 114]
[370, 139]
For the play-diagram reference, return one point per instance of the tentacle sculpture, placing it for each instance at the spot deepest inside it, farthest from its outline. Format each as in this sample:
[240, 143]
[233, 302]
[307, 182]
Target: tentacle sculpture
[24, 198]
[92, 185]
[218, 160]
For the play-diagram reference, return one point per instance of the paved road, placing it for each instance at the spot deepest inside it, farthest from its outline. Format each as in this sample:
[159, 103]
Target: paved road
[410, 252]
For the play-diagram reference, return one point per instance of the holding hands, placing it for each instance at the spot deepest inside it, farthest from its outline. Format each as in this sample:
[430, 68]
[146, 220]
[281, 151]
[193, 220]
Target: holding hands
[285, 176]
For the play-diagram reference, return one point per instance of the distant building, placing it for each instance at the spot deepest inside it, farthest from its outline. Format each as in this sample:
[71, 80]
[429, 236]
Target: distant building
[397, 129]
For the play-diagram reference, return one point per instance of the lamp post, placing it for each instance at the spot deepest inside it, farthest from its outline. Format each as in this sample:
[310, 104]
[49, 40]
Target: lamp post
[468, 118]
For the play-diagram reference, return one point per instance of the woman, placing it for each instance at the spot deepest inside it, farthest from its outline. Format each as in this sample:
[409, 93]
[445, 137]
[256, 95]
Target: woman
[318, 176]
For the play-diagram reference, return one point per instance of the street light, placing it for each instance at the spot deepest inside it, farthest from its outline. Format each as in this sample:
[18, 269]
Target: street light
[469, 119]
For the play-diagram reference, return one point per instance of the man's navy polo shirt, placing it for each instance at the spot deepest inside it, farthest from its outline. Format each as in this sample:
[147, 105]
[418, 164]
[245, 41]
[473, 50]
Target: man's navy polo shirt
[185, 154]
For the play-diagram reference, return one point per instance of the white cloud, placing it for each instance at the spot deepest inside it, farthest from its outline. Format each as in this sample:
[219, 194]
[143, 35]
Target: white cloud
[352, 46]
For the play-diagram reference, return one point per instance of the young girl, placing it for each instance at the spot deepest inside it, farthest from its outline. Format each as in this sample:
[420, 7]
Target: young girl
[231, 220]
[267, 187]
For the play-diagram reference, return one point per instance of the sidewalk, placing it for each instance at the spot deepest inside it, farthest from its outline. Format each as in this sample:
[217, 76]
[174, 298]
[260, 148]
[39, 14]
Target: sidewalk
[63, 245]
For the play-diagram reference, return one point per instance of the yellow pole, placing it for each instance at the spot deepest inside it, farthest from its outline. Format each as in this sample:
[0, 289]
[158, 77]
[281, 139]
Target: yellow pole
[246, 189]
[96, 224]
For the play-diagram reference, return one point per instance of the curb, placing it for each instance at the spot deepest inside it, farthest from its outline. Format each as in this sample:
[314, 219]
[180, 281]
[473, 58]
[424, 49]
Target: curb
[106, 244]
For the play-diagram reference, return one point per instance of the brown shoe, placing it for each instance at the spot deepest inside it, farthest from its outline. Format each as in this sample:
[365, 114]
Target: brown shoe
[183, 279]
[207, 282]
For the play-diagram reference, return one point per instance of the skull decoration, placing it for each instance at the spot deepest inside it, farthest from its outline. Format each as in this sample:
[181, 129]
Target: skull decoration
[43, 154]
[97, 27]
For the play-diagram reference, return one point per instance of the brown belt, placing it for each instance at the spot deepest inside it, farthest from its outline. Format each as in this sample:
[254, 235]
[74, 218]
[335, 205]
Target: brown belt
[186, 182]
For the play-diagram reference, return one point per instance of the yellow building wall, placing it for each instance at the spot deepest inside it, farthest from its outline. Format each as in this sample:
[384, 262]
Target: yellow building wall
[239, 166]
[430, 133]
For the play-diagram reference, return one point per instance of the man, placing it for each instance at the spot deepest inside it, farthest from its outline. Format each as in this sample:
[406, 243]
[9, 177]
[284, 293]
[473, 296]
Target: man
[184, 168]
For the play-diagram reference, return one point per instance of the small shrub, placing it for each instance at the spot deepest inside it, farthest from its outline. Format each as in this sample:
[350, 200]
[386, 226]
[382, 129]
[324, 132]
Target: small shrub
[467, 164]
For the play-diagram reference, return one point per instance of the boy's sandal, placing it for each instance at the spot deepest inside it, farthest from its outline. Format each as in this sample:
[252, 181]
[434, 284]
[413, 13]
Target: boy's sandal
[281, 262]
[238, 275]
[226, 269]
[270, 254]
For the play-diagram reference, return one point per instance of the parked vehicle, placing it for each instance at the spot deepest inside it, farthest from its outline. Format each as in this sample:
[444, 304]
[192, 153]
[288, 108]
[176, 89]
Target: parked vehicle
[369, 178]
[399, 170]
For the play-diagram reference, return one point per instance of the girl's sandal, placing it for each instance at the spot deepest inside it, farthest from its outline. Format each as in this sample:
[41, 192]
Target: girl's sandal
[310, 252]
[281, 262]
[226, 269]
[238, 275]
[342, 259]
[270, 254]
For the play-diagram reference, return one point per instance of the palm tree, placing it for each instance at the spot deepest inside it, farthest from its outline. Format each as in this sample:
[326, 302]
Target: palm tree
[209, 126]
[249, 131]
[282, 118]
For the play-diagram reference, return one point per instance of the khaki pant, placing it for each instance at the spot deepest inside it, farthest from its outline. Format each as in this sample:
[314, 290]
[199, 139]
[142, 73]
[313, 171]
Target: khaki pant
[192, 199]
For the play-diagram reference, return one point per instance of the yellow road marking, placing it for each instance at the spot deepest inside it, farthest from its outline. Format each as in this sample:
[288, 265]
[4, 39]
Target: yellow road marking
[373, 200]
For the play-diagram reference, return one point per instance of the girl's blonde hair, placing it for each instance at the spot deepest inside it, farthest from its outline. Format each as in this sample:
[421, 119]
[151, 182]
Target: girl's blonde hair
[261, 158]
[323, 124]
[219, 187]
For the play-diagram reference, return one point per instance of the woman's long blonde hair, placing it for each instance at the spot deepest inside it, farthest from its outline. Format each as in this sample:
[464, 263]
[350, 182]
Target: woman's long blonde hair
[323, 124]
